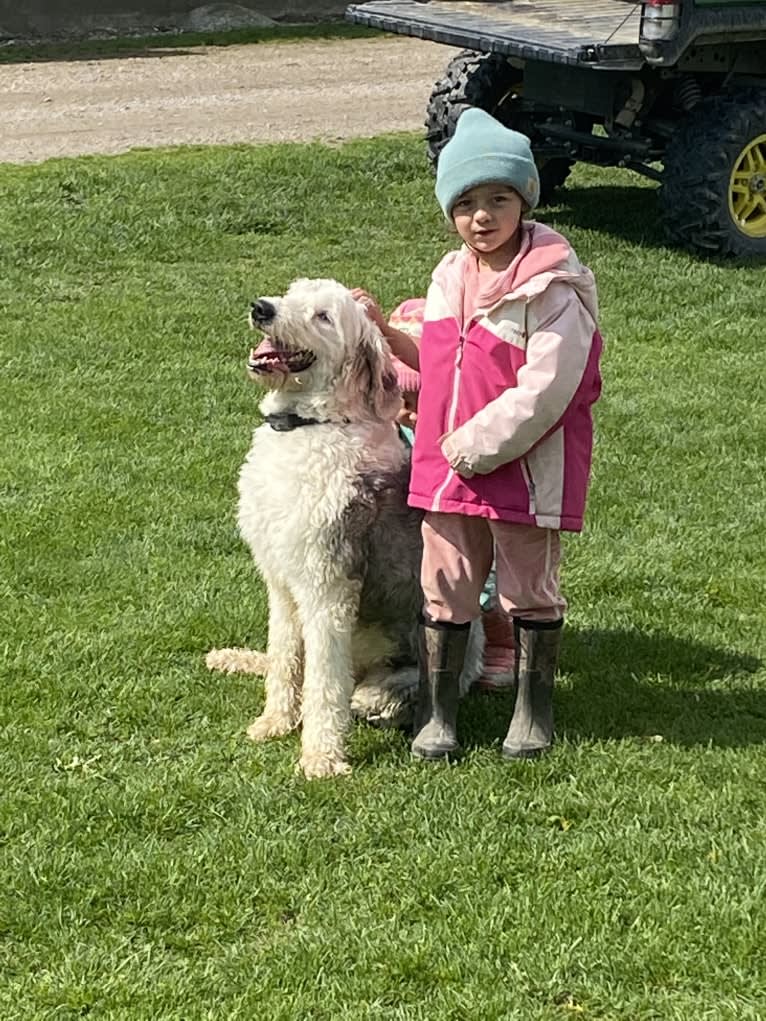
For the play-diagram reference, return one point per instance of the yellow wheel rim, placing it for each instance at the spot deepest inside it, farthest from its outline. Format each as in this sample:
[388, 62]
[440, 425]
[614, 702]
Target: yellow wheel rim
[747, 189]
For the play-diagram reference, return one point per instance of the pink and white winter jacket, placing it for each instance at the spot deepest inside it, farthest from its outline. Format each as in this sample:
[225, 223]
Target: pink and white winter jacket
[504, 417]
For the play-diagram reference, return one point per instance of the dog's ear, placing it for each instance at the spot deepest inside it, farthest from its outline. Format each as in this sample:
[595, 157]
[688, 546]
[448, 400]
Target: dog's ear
[370, 376]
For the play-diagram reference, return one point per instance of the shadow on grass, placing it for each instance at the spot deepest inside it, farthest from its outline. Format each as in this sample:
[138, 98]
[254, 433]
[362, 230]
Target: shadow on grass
[629, 213]
[629, 684]
[175, 44]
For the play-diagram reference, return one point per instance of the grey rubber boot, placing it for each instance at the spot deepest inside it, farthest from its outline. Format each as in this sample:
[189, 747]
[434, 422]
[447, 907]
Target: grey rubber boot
[441, 651]
[537, 655]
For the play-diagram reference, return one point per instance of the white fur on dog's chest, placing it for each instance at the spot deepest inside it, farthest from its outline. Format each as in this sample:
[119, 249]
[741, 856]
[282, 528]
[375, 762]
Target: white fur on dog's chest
[294, 485]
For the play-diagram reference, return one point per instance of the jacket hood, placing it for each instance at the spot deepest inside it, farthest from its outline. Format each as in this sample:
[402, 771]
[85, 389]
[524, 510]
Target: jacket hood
[544, 256]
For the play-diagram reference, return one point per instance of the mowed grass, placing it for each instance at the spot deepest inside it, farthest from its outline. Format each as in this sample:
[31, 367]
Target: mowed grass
[154, 864]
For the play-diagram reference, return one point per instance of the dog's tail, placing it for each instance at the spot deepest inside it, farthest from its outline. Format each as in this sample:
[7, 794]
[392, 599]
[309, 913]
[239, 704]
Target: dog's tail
[237, 661]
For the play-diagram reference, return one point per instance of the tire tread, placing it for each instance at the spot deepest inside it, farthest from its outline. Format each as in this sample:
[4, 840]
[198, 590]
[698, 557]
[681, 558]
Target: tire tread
[693, 194]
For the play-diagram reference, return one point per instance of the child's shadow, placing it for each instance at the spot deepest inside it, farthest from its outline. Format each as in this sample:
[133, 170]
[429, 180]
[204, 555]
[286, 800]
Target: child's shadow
[628, 684]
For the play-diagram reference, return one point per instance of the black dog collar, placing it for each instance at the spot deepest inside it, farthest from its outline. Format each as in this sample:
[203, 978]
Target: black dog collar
[286, 421]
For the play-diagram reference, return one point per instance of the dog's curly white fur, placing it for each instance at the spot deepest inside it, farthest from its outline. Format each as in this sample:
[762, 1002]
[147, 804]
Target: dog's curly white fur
[322, 506]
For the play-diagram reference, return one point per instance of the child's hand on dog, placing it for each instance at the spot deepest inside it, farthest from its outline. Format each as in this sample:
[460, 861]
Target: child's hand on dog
[371, 307]
[402, 345]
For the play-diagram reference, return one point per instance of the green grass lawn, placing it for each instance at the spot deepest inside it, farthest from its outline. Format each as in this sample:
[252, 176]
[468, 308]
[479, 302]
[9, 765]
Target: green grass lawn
[156, 865]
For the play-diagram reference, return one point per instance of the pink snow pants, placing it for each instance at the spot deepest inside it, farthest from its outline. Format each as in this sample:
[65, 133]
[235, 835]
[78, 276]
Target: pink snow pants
[457, 555]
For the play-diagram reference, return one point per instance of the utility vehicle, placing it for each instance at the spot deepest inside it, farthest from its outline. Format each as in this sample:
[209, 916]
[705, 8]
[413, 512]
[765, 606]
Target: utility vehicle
[672, 89]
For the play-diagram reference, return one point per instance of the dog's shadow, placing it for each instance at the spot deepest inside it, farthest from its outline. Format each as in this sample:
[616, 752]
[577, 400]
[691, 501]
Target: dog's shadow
[625, 683]
[628, 684]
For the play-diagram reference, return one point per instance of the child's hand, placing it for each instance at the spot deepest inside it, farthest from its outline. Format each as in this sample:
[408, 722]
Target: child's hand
[371, 307]
[454, 458]
[407, 417]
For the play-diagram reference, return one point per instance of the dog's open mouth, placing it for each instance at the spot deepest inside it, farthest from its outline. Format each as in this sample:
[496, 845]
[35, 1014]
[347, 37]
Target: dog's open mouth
[271, 357]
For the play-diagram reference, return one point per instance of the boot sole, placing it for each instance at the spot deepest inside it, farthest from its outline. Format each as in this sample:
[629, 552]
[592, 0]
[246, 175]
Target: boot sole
[525, 753]
[435, 755]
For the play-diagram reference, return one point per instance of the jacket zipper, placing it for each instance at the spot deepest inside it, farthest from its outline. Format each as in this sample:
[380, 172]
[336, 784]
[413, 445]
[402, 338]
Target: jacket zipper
[456, 383]
[451, 416]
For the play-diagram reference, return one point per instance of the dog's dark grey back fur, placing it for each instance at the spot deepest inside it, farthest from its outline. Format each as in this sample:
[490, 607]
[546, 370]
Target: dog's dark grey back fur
[378, 540]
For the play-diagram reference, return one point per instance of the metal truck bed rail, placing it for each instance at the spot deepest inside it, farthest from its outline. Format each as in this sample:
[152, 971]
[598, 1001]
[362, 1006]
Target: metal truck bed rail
[560, 31]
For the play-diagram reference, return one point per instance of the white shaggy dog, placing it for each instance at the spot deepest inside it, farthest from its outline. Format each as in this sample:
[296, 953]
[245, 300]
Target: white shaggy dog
[323, 507]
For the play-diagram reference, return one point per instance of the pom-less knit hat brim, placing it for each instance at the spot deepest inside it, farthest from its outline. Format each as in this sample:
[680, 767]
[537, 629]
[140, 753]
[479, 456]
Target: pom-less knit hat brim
[483, 151]
[493, 169]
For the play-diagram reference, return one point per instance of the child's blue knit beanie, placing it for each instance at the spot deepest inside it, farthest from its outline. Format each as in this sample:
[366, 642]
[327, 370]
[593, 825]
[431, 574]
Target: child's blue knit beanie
[483, 151]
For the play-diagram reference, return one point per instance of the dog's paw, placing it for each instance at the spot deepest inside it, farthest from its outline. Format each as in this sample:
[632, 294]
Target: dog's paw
[237, 661]
[317, 767]
[270, 726]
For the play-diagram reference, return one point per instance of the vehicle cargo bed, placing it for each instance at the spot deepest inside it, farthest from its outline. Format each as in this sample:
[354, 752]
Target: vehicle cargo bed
[561, 31]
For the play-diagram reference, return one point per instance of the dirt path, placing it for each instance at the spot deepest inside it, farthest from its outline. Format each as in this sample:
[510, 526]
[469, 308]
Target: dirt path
[269, 92]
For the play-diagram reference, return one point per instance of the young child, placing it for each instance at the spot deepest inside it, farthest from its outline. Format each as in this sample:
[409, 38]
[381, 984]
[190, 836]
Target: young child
[509, 370]
[499, 651]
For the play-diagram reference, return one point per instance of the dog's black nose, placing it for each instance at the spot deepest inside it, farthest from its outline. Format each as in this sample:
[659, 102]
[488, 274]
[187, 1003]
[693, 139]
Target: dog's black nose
[262, 311]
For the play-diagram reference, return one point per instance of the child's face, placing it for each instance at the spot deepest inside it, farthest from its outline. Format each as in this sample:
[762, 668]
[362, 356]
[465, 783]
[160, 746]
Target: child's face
[487, 217]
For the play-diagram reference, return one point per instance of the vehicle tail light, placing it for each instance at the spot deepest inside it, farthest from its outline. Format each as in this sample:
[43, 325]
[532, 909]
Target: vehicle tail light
[660, 19]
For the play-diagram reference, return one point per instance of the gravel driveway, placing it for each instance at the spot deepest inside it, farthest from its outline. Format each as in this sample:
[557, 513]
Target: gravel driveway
[331, 89]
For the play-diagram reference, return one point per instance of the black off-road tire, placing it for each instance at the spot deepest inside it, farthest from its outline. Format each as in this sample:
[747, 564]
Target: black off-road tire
[485, 80]
[696, 181]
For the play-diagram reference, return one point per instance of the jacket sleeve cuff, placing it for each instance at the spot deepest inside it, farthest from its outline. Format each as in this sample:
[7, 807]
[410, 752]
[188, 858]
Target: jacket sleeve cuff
[456, 459]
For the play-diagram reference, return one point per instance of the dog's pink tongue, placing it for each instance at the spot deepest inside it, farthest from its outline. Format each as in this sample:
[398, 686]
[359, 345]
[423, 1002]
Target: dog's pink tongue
[264, 348]
[266, 358]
